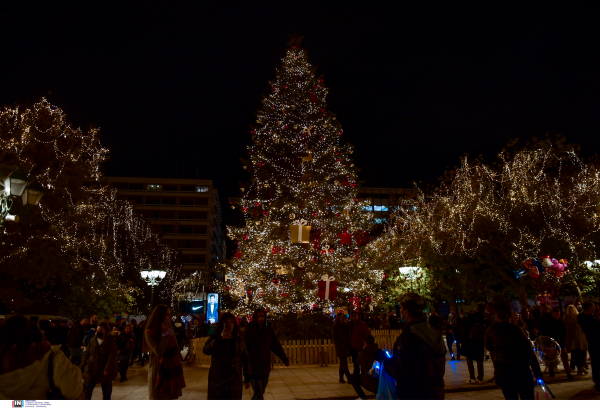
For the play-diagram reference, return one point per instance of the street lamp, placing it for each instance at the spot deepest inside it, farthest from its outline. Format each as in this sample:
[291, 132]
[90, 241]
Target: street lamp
[14, 183]
[410, 271]
[153, 278]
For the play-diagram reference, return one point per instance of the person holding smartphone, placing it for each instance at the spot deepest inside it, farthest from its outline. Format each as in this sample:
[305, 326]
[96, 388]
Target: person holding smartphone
[229, 361]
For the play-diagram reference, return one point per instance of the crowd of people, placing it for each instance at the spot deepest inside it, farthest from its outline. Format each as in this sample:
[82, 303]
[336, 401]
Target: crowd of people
[70, 363]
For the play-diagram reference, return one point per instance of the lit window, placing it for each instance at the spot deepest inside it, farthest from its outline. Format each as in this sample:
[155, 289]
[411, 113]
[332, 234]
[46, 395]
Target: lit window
[154, 187]
[202, 189]
[380, 208]
[380, 221]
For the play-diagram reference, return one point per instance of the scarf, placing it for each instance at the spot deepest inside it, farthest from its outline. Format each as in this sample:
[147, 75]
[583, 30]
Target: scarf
[170, 379]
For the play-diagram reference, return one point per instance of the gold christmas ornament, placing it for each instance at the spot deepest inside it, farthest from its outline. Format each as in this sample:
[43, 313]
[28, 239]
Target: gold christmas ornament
[292, 216]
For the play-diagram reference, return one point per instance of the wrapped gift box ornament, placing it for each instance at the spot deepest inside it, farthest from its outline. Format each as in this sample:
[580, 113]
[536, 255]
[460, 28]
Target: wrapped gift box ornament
[300, 232]
[327, 288]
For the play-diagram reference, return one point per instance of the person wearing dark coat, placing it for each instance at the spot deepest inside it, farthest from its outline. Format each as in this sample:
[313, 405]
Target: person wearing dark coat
[418, 362]
[591, 327]
[75, 340]
[261, 341]
[435, 320]
[125, 346]
[365, 361]
[554, 327]
[473, 343]
[512, 355]
[358, 334]
[229, 361]
[138, 336]
[341, 339]
[99, 364]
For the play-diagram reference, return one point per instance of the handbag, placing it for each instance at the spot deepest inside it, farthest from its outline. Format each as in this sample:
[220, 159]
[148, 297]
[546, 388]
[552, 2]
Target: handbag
[53, 393]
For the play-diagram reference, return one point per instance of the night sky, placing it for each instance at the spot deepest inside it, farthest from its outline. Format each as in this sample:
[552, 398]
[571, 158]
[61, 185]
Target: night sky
[414, 88]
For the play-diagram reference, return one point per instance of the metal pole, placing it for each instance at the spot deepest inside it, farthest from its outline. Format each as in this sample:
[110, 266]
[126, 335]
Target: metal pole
[152, 298]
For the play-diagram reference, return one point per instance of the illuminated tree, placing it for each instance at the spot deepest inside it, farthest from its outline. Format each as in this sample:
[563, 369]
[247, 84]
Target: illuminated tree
[301, 174]
[81, 249]
[483, 221]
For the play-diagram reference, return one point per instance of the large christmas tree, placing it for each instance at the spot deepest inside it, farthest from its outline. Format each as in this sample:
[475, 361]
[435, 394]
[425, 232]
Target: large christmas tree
[303, 217]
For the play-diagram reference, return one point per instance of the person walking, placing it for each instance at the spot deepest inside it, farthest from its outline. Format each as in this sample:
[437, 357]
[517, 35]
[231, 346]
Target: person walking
[99, 363]
[591, 327]
[576, 342]
[418, 362]
[435, 320]
[365, 360]
[92, 324]
[137, 335]
[512, 355]
[228, 362]
[125, 347]
[165, 372]
[28, 363]
[261, 341]
[358, 334]
[340, 335]
[473, 347]
[75, 338]
[143, 355]
[554, 327]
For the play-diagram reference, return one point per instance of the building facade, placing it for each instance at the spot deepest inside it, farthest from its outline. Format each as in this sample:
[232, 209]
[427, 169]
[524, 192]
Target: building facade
[185, 213]
[384, 200]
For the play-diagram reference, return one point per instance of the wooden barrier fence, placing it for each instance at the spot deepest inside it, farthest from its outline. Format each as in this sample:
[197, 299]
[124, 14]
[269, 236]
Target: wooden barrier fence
[300, 352]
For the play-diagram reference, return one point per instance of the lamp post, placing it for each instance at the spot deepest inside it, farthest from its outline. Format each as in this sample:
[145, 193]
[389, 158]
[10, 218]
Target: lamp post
[410, 271]
[152, 278]
[14, 183]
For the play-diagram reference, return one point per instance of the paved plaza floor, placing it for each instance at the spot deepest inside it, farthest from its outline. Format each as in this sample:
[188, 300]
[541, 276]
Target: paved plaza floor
[314, 382]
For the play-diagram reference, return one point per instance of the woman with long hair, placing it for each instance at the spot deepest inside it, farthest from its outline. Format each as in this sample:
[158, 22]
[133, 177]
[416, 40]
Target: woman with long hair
[165, 373]
[25, 359]
[576, 342]
[229, 360]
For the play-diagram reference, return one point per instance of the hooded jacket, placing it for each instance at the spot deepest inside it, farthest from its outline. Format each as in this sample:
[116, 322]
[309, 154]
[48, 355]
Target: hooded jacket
[261, 341]
[418, 362]
[358, 334]
[32, 382]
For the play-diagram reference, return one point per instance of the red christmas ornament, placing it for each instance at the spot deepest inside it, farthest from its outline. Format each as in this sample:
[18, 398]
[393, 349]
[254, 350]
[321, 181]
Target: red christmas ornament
[249, 292]
[345, 237]
[284, 86]
[315, 259]
[340, 132]
[238, 255]
[228, 287]
[293, 281]
[267, 310]
[322, 110]
[323, 251]
[338, 214]
[315, 214]
[260, 164]
[368, 299]
[330, 250]
[337, 160]
[283, 250]
[245, 237]
[275, 281]
[265, 213]
[257, 204]
[275, 250]
[252, 132]
[314, 306]
[283, 294]
[231, 202]
[313, 98]
[273, 87]
[244, 209]
[285, 127]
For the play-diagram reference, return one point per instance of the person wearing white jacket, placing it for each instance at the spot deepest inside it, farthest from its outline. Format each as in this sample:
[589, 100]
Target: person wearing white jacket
[25, 357]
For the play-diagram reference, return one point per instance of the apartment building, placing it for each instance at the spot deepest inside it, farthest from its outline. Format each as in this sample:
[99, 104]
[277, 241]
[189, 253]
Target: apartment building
[184, 212]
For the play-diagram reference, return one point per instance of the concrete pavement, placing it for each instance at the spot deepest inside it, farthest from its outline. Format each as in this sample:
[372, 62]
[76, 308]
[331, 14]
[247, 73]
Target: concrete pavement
[314, 382]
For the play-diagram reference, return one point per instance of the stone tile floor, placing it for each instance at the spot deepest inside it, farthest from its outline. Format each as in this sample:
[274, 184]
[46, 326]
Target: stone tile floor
[314, 382]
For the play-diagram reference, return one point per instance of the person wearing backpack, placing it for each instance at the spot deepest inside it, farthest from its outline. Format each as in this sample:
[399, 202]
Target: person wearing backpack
[418, 360]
